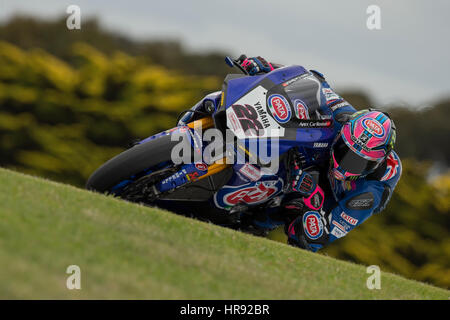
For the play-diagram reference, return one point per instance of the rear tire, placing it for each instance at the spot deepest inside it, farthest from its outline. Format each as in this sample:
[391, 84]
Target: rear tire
[130, 162]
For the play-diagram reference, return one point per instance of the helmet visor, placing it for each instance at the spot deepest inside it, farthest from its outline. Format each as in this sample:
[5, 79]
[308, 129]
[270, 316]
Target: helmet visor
[349, 161]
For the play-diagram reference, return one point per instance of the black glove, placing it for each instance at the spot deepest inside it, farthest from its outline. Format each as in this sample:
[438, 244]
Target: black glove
[255, 65]
[308, 231]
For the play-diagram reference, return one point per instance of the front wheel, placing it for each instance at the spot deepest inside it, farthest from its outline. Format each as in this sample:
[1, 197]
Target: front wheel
[130, 163]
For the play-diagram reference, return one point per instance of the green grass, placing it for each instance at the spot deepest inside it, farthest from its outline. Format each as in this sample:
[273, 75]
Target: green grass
[127, 251]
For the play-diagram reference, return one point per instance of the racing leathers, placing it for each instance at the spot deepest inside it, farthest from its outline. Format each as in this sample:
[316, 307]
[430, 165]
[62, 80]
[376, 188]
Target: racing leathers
[319, 208]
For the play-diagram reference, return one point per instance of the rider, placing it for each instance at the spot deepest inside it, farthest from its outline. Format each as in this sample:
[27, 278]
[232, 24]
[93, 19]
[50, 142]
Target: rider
[324, 204]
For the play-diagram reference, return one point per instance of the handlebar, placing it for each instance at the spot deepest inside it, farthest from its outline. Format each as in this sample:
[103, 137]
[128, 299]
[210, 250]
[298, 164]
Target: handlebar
[237, 63]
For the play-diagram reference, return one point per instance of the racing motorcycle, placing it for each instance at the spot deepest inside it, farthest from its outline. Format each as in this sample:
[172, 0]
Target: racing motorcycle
[286, 106]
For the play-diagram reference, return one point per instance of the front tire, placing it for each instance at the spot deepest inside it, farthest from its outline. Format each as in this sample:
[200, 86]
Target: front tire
[130, 162]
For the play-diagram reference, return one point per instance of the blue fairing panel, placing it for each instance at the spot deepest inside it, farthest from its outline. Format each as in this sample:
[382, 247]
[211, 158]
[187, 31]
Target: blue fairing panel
[238, 87]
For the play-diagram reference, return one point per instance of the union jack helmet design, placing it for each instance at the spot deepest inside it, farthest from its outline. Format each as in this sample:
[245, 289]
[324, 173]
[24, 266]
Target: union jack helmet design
[363, 143]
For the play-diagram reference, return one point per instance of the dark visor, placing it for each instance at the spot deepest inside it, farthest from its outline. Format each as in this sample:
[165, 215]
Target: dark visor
[349, 160]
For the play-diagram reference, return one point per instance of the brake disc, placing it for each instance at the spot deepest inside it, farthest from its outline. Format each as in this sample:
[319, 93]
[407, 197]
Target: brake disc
[143, 189]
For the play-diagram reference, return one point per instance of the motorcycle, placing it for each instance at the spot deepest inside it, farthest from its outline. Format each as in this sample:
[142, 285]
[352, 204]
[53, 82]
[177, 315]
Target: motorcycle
[286, 109]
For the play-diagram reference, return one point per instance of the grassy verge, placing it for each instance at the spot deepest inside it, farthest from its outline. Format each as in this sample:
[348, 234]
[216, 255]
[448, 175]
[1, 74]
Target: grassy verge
[127, 251]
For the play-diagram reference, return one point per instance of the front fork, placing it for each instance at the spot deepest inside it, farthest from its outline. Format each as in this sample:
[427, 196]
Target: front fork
[190, 172]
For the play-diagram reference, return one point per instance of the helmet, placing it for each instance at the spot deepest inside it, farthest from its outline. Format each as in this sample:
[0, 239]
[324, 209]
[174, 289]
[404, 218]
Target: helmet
[362, 144]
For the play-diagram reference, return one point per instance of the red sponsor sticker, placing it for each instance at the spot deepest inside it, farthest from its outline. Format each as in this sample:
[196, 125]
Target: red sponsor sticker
[374, 127]
[312, 225]
[279, 107]
[201, 166]
[301, 110]
[233, 121]
[340, 226]
[250, 172]
[349, 219]
[250, 195]
[192, 176]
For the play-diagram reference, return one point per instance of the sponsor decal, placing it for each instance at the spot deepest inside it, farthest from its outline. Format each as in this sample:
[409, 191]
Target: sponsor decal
[248, 119]
[338, 233]
[361, 202]
[263, 116]
[250, 193]
[338, 175]
[316, 200]
[392, 140]
[305, 183]
[301, 110]
[315, 123]
[234, 122]
[192, 176]
[349, 219]
[249, 116]
[279, 107]
[304, 75]
[374, 127]
[344, 224]
[338, 225]
[250, 172]
[196, 141]
[320, 144]
[391, 168]
[361, 141]
[330, 95]
[175, 176]
[363, 138]
[338, 105]
[184, 129]
[349, 185]
[312, 225]
[201, 166]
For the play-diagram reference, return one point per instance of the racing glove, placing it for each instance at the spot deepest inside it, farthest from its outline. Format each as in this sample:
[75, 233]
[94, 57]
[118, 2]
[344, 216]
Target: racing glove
[302, 181]
[310, 194]
[308, 231]
[255, 65]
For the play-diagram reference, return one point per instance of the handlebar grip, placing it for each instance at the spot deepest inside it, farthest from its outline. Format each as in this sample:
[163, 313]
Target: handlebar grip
[242, 58]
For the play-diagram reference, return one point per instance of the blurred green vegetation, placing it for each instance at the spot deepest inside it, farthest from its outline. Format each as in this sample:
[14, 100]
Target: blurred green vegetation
[62, 122]
[52, 35]
[69, 101]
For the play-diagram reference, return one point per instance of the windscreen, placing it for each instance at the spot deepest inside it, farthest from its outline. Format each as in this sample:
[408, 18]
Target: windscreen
[304, 94]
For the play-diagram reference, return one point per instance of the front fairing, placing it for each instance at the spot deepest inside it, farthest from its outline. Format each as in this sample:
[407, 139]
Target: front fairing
[302, 121]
